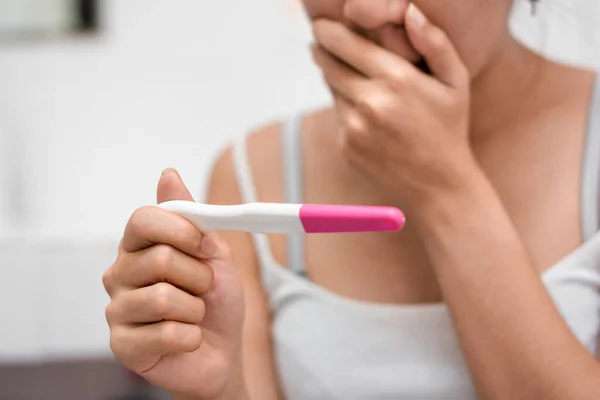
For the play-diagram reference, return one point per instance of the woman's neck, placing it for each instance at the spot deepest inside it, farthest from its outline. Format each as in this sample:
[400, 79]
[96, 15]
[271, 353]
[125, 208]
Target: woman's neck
[506, 90]
[518, 86]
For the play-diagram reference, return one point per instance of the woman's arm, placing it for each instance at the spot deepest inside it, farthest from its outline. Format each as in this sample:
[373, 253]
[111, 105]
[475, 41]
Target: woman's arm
[516, 343]
[258, 374]
[408, 133]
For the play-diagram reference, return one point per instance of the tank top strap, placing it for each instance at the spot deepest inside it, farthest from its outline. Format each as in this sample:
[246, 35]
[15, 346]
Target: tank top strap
[293, 184]
[590, 185]
[248, 193]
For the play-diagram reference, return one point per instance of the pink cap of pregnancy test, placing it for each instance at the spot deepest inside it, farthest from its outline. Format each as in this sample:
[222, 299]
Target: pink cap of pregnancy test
[334, 218]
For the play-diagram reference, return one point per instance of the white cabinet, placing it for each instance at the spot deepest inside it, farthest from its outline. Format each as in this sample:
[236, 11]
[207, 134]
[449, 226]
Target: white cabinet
[74, 299]
[51, 297]
[22, 304]
[4, 185]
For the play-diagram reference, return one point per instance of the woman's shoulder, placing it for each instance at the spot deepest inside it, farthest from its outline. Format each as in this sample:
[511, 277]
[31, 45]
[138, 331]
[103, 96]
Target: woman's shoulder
[262, 150]
[264, 145]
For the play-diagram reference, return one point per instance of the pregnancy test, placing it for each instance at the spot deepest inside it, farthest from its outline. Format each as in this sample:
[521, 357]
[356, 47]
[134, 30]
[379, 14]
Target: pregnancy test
[288, 218]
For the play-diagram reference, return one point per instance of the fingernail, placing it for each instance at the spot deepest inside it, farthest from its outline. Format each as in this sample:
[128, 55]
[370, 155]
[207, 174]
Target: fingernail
[208, 247]
[416, 16]
[169, 171]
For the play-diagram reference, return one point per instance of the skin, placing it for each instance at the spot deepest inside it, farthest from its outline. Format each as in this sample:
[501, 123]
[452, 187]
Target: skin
[478, 143]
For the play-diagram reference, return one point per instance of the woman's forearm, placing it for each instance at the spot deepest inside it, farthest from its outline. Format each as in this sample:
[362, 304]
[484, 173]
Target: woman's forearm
[514, 339]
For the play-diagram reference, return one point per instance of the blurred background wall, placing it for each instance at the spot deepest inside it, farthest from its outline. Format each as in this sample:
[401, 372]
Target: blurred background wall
[88, 122]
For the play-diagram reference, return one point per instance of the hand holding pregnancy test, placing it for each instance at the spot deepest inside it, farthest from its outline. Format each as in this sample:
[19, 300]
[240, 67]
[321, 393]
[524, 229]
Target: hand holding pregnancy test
[288, 218]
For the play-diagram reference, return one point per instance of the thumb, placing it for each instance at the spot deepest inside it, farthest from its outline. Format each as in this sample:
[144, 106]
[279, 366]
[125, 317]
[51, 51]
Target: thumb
[171, 187]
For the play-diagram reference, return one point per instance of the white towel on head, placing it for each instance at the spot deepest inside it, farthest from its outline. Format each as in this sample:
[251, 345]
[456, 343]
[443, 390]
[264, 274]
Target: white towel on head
[565, 30]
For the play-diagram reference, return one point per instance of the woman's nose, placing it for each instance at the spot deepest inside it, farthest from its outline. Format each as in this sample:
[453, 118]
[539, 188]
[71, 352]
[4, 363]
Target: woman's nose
[373, 14]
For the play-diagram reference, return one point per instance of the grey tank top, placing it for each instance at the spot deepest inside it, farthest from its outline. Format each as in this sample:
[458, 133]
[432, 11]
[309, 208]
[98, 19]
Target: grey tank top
[330, 347]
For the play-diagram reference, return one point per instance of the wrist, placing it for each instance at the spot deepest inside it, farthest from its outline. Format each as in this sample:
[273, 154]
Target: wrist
[465, 187]
[234, 388]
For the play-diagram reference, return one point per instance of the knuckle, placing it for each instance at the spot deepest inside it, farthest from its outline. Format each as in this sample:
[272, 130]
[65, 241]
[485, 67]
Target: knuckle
[162, 298]
[109, 313]
[206, 282]
[187, 234]
[437, 41]
[400, 77]
[108, 280]
[375, 105]
[139, 220]
[195, 239]
[169, 335]
[162, 260]
[117, 346]
[195, 338]
[201, 310]
[453, 100]
[356, 127]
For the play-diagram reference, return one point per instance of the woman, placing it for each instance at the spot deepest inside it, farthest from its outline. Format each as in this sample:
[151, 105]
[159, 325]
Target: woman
[492, 289]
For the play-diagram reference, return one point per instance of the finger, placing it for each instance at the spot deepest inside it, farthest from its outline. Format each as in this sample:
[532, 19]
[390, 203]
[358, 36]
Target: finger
[346, 111]
[354, 127]
[160, 302]
[435, 46]
[360, 53]
[163, 263]
[339, 77]
[394, 39]
[366, 95]
[140, 348]
[171, 187]
[152, 225]
[372, 15]
[342, 106]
